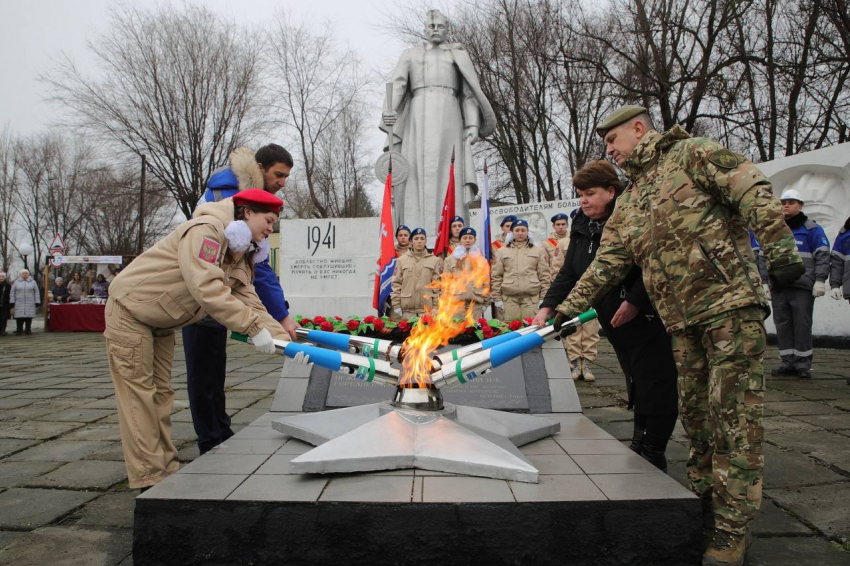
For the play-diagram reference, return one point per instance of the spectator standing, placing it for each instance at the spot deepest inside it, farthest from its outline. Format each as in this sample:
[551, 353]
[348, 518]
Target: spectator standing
[59, 291]
[463, 259]
[76, 288]
[521, 275]
[457, 225]
[557, 242]
[794, 303]
[402, 240]
[5, 292]
[416, 279]
[498, 244]
[100, 288]
[839, 271]
[25, 298]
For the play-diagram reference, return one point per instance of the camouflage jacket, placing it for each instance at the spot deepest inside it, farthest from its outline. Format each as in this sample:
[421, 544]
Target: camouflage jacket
[683, 220]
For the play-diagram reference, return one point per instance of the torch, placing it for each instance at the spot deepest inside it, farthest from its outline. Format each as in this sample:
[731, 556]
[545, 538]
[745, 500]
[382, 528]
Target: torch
[477, 363]
[370, 347]
[457, 353]
[361, 367]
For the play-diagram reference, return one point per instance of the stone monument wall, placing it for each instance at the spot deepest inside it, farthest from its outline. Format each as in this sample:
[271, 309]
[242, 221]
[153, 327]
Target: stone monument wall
[327, 266]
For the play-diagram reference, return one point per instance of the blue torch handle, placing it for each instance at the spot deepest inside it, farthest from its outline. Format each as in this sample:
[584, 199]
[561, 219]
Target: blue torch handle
[510, 350]
[501, 339]
[329, 359]
[329, 339]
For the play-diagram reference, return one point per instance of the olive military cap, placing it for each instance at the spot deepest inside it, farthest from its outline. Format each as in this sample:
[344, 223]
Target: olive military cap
[619, 116]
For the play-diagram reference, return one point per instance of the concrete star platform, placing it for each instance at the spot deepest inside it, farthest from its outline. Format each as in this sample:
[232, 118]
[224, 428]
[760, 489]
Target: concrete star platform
[595, 503]
[462, 440]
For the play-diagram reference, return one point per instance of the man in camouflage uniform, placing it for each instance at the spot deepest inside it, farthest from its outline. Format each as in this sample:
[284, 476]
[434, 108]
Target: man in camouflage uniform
[683, 220]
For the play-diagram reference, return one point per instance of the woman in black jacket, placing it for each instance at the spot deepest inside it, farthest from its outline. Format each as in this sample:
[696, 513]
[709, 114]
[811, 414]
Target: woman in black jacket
[627, 316]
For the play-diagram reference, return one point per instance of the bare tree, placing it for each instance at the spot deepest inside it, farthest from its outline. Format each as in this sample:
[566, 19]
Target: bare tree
[8, 189]
[178, 85]
[54, 193]
[317, 105]
[113, 221]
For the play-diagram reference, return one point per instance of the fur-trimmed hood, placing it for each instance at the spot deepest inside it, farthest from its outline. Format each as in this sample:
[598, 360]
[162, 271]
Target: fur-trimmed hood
[247, 170]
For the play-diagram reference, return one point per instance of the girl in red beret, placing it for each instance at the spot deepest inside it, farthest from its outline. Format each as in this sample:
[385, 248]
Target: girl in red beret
[204, 267]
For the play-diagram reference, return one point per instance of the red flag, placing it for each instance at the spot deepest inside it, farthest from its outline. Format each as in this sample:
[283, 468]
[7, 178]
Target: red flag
[444, 232]
[386, 259]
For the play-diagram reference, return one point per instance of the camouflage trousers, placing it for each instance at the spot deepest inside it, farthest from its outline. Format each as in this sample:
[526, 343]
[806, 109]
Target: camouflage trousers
[721, 402]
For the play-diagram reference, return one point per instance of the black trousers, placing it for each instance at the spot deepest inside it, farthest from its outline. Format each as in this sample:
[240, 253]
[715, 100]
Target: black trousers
[21, 322]
[4, 318]
[206, 367]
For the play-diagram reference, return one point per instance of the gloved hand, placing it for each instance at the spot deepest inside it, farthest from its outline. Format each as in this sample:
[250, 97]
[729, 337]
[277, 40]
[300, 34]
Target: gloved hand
[836, 293]
[399, 312]
[767, 294]
[301, 358]
[459, 253]
[263, 342]
[819, 290]
[474, 251]
[784, 275]
[558, 323]
[499, 304]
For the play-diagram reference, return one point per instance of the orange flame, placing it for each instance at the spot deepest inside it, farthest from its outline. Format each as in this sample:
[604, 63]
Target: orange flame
[452, 317]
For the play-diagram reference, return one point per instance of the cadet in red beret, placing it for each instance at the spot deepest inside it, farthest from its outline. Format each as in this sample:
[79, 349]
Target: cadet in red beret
[258, 198]
[204, 267]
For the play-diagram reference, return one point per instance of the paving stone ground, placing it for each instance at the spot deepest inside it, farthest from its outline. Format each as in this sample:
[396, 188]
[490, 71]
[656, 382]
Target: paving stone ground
[64, 498]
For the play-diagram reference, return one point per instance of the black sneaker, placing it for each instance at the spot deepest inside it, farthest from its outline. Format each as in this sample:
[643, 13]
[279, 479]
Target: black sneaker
[784, 370]
[804, 373]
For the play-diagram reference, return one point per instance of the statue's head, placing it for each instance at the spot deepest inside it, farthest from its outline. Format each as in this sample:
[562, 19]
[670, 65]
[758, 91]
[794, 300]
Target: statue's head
[436, 27]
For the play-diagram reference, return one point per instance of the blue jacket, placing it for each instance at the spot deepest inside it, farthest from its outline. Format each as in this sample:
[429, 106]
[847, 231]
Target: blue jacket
[223, 184]
[813, 247]
[839, 272]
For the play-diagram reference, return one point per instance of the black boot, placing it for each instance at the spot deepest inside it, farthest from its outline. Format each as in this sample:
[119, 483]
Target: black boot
[637, 439]
[654, 447]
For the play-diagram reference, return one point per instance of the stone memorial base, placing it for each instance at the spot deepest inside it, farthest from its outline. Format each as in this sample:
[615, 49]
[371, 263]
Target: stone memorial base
[596, 503]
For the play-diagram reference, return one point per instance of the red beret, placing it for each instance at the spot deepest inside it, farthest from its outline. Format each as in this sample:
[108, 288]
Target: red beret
[258, 197]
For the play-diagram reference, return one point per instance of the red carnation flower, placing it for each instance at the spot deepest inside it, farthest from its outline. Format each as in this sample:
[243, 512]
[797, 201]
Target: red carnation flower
[426, 319]
[326, 326]
[528, 321]
[482, 321]
[379, 324]
[404, 326]
[318, 320]
[339, 318]
[487, 331]
[515, 324]
[306, 321]
[352, 324]
[369, 319]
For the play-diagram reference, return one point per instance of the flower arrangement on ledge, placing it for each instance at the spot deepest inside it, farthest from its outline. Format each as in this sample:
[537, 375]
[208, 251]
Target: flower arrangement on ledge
[384, 327]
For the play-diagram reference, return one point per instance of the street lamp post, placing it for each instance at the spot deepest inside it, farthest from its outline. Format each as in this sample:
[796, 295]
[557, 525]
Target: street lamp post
[25, 250]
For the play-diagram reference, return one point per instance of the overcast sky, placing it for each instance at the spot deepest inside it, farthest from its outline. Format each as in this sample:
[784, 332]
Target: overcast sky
[35, 31]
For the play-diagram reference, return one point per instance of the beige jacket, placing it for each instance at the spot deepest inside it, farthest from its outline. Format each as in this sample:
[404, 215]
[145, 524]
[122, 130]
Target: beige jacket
[414, 272]
[190, 273]
[521, 270]
[556, 251]
[480, 294]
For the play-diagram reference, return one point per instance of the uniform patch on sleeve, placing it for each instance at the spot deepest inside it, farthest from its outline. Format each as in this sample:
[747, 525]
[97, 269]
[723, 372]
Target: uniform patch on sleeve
[724, 159]
[209, 250]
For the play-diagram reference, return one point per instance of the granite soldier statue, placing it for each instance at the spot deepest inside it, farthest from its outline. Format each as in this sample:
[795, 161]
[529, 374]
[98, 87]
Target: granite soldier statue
[437, 106]
[683, 220]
